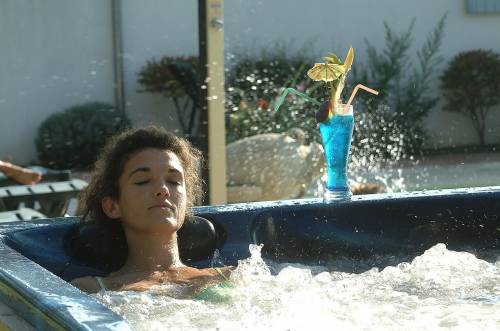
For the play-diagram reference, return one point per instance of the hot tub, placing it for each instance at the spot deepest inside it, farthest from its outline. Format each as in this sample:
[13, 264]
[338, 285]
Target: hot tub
[37, 258]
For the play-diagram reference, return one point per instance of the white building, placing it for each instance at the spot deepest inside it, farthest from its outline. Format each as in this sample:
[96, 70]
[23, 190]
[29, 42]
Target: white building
[56, 53]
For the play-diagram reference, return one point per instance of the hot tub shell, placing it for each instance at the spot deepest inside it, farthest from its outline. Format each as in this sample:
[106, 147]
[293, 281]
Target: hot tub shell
[35, 264]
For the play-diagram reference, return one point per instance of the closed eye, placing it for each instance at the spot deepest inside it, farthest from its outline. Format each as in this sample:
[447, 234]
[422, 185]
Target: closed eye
[142, 182]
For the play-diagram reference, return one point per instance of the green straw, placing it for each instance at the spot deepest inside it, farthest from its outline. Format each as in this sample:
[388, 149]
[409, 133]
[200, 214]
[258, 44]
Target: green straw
[288, 90]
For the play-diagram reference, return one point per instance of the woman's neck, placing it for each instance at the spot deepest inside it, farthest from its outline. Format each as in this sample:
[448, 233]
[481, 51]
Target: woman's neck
[149, 253]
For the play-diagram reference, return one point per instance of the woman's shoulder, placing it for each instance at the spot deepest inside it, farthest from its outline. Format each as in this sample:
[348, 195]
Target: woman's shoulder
[216, 272]
[211, 270]
[223, 271]
[87, 284]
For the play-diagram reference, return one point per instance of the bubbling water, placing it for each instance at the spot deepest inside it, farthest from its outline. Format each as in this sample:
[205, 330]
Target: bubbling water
[438, 290]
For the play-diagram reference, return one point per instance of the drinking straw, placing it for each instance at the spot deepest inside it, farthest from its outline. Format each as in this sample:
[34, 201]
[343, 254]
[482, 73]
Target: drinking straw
[288, 90]
[359, 86]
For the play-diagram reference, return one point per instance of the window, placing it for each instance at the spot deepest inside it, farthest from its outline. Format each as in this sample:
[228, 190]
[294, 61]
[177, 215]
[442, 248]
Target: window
[483, 6]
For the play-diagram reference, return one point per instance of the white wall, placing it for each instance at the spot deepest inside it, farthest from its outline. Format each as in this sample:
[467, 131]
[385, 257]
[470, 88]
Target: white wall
[152, 31]
[58, 53]
[54, 54]
[170, 28]
[334, 25]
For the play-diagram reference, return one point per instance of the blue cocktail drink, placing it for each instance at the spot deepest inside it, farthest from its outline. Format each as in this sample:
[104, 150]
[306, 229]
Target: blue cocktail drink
[335, 119]
[336, 134]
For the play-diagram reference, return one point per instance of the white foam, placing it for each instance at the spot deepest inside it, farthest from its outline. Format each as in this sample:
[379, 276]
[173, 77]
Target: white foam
[439, 290]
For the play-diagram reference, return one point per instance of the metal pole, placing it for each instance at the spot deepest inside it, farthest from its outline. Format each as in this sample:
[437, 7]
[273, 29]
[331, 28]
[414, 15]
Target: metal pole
[116, 20]
[211, 41]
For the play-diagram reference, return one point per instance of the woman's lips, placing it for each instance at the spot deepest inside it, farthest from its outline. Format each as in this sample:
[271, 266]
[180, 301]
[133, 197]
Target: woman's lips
[162, 206]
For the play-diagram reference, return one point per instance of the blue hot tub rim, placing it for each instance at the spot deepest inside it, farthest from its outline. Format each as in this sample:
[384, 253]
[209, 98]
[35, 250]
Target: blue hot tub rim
[49, 302]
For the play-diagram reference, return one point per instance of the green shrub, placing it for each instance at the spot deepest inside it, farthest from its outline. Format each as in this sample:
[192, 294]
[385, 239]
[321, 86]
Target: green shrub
[390, 125]
[472, 86]
[161, 77]
[252, 86]
[74, 137]
[156, 77]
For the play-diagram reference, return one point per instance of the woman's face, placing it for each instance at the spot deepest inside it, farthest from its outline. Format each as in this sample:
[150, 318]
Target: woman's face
[152, 193]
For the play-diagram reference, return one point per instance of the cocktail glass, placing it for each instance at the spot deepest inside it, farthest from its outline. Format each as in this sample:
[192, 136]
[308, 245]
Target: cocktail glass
[336, 134]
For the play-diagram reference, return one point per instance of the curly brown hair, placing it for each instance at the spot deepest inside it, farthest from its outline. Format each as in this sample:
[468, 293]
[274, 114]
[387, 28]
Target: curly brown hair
[118, 150]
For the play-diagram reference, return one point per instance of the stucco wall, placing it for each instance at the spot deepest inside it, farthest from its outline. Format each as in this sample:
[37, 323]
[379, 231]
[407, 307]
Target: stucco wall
[153, 31]
[57, 53]
[334, 25]
[171, 28]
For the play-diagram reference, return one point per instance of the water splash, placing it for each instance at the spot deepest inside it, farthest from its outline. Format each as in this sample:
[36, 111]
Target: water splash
[438, 290]
[216, 260]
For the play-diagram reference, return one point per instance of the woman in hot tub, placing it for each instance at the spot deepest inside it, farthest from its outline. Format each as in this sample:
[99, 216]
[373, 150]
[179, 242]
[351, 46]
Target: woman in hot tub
[147, 179]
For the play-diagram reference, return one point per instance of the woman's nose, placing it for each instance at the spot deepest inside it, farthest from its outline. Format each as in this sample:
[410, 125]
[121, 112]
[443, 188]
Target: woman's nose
[163, 190]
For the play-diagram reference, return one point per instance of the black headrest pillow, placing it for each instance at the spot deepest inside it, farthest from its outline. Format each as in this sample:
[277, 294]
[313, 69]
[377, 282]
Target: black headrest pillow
[105, 247]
